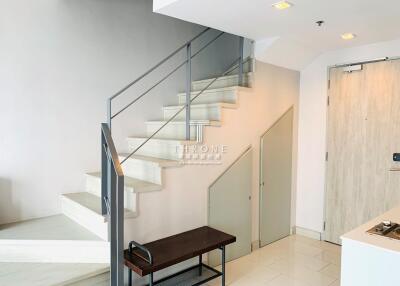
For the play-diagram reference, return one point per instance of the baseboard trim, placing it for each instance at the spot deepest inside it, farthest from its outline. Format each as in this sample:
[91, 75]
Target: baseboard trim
[307, 232]
[255, 245]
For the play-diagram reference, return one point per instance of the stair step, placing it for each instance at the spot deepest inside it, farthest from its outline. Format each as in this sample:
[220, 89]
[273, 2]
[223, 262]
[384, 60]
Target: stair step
[170, 149]
[132, 185]
[53, 239]
[205, 111]
[93, 186]
[225, 81]
[163, 163]
[226, 94]
[54, 274]
[177, 129]
[85, 209]
[146, 168]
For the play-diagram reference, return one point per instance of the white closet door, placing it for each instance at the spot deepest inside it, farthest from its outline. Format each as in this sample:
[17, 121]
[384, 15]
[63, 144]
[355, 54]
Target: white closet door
[230, 207]
[276, 180]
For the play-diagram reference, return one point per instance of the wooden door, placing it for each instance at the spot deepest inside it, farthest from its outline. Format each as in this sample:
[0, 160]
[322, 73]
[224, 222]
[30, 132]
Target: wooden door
[363, 134]
[276, 180]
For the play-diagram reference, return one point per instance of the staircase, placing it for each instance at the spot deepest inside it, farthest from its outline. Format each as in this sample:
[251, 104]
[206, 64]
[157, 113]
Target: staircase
[72, 248]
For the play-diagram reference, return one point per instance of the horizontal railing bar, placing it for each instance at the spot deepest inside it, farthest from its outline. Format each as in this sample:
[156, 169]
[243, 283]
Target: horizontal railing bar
[158, 64]
[112, 150]
[147, 91]
[166, 76]
[209, 43]
[234, 66]
[215, 79]
[179, 111]
[152, 135]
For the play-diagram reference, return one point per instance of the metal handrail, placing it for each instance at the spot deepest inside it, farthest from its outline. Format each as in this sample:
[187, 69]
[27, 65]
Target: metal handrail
[112, 179]
[232, 68]
[112, 151]
[112, 193]
[158, 64]
[166, 76]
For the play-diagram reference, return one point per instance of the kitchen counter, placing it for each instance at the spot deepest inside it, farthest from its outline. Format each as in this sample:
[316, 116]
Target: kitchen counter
[369, 259]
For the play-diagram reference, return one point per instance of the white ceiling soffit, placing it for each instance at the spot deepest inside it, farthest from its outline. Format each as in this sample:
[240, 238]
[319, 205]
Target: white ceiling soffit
[291, 38]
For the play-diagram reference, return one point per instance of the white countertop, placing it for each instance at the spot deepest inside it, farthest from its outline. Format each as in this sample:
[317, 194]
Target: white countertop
[360, 235]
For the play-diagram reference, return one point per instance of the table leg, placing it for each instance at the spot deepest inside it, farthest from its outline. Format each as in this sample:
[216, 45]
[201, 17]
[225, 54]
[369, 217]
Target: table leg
[200, 265]
[129, 277]
[223, 265]
[151, 279]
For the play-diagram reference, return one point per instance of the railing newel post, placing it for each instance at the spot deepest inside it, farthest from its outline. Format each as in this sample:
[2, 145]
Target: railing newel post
[241, 50]
[188, 87]
[104, 179]
[120, 209]
[109, 116]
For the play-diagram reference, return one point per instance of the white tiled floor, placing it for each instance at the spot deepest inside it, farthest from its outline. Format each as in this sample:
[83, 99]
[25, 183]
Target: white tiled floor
[292, 261]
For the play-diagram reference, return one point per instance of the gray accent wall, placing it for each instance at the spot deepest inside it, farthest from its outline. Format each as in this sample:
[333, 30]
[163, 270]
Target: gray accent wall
[60, 61]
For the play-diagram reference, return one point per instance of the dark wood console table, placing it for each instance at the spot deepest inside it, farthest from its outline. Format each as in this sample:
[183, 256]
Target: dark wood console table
[157, 255]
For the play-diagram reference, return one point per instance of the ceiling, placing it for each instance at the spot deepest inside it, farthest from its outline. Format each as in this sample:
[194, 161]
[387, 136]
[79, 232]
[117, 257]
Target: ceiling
[291, 38]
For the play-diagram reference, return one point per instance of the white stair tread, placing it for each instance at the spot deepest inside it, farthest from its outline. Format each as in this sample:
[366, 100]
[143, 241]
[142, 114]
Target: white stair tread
[204, 105]
[214, 90]
[221, 78]
[92, 202]
[159, 161]
[57, 227]
[47, 274]
[192, 122]
[136, 184]
[164, 140]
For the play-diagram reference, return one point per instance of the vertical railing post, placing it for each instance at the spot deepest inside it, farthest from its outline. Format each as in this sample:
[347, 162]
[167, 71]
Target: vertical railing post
[116, 229]
[112, 192]
[110, 182]
[104, 183]
[112, 228]
[241, 48]
[188, 87]
[120, 230]
[109, 113]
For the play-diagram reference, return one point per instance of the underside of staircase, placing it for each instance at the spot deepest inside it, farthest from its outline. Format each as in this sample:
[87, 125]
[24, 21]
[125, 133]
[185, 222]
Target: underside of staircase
[72, 248]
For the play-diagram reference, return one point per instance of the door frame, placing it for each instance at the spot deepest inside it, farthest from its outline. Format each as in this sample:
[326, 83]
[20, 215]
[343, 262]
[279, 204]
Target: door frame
[349, 64]
[260, 176]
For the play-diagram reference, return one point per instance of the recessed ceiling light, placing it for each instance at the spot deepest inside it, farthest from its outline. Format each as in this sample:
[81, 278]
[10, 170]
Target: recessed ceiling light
[348, 36]
[282, 5]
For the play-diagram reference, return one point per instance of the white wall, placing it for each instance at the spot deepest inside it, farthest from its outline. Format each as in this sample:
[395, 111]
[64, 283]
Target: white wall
[312, 127]
[183, 206]
[183, 203]
[59, 62]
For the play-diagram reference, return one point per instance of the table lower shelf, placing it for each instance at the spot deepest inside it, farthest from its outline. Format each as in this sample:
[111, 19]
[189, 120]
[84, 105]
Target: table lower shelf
[193, 276]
